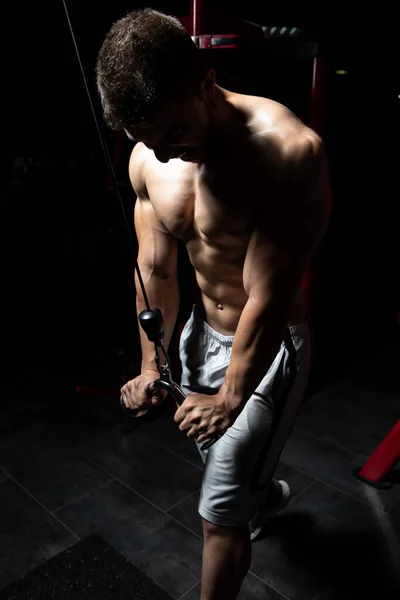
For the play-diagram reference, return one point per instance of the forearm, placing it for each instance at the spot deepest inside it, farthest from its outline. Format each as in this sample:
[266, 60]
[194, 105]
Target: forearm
[259, 334]
[162, 294]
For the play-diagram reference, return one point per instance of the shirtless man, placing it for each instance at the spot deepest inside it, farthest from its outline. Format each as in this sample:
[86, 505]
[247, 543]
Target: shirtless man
[245, 185]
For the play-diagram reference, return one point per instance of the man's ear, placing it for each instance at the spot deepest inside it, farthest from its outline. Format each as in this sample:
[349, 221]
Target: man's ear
[208, 85]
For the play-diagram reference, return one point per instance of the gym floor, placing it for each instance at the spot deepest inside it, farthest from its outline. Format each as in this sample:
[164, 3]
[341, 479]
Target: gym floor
[70, 467]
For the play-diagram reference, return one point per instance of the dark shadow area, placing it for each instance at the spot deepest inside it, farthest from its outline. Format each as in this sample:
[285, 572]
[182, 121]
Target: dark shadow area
[393, 476]
[346, 565]
[58, 402]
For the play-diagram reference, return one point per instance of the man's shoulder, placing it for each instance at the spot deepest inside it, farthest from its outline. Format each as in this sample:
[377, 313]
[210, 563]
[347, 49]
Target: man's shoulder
[151, 178]
[143, 161]
[292, 151]
[137, 163]
[295, 156]
[276, 127]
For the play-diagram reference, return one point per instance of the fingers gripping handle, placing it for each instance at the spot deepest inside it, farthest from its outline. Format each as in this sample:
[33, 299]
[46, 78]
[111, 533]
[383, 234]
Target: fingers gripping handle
[151, 322]
[159, 384]
[179, 396]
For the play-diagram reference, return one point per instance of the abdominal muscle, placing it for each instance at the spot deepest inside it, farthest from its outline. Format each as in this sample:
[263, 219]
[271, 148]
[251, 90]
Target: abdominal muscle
[224, 317]
[221, 298]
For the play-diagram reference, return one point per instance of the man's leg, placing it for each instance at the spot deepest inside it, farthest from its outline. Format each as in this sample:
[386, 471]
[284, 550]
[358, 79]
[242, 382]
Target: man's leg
[226, 561]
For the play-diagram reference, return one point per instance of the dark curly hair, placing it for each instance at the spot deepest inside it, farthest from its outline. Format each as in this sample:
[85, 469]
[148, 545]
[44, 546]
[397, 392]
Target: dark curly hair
[145, 59]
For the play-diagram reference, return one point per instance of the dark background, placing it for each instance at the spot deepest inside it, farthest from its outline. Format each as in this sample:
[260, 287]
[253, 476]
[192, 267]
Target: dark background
[67, 300]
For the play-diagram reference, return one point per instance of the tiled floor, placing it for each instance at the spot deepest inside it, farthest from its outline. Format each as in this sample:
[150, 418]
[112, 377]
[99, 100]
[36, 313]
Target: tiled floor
[69, 469]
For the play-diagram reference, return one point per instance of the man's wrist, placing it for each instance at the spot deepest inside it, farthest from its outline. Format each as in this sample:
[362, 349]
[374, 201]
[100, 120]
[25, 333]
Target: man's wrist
[149, 366]
[233, 401]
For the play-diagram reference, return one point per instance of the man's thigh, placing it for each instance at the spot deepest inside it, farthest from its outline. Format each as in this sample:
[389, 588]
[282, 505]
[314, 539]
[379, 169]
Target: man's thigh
[239, 466]
[227, 497]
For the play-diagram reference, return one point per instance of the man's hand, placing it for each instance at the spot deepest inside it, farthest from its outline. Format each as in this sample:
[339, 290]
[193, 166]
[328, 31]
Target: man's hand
[139, 394]
[204, 417]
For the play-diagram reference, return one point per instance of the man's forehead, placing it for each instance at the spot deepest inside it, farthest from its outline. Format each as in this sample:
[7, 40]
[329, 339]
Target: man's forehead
[159, 124]
[151, 131]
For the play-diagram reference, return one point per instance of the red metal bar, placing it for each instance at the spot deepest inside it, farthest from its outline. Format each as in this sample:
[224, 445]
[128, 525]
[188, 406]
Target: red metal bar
[306, 287]
[196, 14]
[384, 457]
[316, 122]
[318, 108]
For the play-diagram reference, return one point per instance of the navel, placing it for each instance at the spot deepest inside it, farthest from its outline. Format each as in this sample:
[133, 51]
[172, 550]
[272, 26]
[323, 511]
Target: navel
[220, 307]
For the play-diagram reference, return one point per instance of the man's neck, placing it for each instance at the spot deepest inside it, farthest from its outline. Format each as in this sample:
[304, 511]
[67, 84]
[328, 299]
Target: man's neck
[227, 130]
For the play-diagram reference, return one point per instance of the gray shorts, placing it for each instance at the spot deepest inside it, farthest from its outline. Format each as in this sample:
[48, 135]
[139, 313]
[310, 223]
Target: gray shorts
[238, 468]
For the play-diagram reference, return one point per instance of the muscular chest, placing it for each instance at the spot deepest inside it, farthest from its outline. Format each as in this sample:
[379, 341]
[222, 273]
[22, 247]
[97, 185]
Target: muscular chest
[218, 209]
[220, 221]
[213, 206]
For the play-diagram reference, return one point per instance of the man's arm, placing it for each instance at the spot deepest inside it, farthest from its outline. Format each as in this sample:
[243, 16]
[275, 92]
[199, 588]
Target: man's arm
[275, 264]
[157, 259]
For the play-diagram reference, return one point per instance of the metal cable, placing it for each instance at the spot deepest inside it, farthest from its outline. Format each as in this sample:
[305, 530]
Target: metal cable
[107, 157]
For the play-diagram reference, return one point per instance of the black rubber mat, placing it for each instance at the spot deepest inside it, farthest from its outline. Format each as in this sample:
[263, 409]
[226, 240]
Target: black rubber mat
[89, 570]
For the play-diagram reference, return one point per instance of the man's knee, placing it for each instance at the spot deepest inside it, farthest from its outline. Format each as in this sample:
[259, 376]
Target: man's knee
[211, 529]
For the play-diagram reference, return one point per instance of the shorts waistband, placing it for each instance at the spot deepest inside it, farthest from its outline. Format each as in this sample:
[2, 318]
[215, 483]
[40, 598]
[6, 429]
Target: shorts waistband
[299, 330]
[226, 340]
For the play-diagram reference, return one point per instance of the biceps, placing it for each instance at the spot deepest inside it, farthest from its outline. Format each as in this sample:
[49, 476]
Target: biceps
[157, 247]
[255, 270]
[272, 271]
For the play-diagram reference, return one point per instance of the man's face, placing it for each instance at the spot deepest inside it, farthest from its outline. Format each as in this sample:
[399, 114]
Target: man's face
[178, 131]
